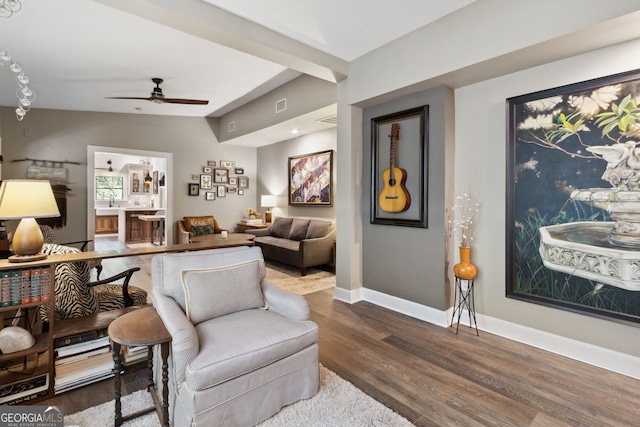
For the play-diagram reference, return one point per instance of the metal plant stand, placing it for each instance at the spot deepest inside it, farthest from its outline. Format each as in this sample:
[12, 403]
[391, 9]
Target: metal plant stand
[463, 300]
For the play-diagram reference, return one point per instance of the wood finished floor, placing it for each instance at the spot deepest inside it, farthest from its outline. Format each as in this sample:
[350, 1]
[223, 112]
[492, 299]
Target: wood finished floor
[436, 378]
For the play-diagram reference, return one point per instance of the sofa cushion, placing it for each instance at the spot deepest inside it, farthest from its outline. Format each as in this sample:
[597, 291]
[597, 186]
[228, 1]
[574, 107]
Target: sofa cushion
[281, 227]
[215, 292]
[190, 221]
[202, 230]
[278, 242]
[317, 229]
[242, 342]
[298, 229]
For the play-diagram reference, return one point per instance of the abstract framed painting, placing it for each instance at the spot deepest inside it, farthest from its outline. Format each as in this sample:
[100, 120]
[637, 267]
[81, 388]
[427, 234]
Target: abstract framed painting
[310, 179]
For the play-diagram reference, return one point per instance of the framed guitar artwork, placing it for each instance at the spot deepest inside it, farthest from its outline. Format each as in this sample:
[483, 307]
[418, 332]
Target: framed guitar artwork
[399, 168]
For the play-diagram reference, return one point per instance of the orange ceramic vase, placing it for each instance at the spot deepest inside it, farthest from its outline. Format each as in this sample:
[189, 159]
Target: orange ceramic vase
[464, 269]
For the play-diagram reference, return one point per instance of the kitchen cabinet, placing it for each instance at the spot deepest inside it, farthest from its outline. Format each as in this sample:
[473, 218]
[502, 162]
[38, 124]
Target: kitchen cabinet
[107, 224]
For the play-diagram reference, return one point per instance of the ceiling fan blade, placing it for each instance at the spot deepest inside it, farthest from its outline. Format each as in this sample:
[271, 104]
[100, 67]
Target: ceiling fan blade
[185, 101]
[129, 97]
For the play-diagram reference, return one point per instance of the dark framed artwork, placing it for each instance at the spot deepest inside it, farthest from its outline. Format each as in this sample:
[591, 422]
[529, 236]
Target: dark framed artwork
[238, 171]
[194, 189]
[210, 195]
[573, 198]
[220, 175]
[221, 190]
[399, 153]
[310, 179]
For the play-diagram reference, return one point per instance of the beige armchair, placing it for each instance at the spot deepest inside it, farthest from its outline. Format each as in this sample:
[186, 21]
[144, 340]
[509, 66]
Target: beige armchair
[242, 348]
[202, 224]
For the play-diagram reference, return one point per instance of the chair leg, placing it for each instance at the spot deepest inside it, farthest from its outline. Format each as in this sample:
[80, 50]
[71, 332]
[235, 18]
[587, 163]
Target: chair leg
[98, 271]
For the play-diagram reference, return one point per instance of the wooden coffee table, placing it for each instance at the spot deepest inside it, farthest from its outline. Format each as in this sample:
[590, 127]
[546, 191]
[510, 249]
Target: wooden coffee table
[232, 239]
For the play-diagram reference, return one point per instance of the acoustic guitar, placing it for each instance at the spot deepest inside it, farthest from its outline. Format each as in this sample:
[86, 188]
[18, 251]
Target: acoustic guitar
[394, 196]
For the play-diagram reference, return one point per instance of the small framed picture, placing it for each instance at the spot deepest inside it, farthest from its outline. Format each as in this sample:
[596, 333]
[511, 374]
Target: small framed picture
[231, 189]
[233, 180]
[211, 162]
[222, 190]
[207, 169]
[240, 192]
[194, 189]
[221, 176]
[210, 195]
[227, 164]
[195, 177]
[239, 171]
[205, 182]
[243, 182]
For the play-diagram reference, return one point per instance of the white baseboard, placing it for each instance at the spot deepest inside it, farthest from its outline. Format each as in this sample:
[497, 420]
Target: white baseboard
[611, 360]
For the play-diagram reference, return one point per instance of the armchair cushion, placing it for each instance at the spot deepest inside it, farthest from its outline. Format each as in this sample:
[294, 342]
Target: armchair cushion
[202, 230]
[215, 292]
[190, 221]
[233, 345]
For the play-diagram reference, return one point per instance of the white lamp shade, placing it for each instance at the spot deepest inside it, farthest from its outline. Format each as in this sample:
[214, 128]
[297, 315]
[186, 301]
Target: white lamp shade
[268, 201]
[23, 198]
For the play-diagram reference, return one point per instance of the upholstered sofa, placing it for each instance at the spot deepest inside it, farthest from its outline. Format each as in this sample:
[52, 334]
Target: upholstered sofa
[299, 242]
[191, 226]
[242, 348]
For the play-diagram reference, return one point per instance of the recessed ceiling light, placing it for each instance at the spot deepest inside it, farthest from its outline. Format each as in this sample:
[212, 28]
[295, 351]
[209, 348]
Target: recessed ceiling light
[293, 131]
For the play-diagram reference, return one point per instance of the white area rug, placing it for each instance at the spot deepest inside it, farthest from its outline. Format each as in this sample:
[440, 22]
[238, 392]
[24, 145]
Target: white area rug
[338, 403]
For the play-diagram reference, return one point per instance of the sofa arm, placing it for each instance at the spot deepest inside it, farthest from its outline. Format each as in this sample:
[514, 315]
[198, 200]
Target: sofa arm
[317, 251]
[285, 303]
[260, 231]
[184, 344]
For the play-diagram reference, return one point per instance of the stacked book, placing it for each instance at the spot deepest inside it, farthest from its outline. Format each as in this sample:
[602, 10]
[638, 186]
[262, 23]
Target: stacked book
[25, 286]
[131, 355]
[24, 390]
[82, 359]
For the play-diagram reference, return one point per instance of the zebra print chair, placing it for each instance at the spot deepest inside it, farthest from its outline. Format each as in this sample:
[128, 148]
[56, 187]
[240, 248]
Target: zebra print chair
[77, 296]
[48, 236]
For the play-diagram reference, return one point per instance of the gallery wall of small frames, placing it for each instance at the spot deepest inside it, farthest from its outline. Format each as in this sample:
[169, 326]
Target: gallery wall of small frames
[219, 179]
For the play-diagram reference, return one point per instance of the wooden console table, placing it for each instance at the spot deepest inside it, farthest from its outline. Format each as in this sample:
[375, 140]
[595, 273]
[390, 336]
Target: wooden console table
[242, 227]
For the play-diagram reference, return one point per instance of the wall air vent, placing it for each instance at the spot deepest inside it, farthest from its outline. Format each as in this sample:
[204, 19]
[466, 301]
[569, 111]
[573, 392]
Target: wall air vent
[330, 120]
[281, 105]
[231, 127]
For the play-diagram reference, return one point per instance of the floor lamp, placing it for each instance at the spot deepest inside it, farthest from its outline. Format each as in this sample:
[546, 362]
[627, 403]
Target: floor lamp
[27, 200]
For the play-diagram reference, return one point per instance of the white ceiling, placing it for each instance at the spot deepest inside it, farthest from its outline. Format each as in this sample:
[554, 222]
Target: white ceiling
[78, 52]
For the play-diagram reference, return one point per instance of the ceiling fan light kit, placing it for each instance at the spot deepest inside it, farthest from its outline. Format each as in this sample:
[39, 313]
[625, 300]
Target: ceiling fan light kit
[158, 97]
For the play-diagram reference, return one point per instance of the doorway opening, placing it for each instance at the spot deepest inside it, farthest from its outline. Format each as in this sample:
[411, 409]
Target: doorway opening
[124, 185]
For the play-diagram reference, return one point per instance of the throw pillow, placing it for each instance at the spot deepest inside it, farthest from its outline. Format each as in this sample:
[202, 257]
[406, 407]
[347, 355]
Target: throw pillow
[215, 292]
[317, 229]
[281, 227]
[298, 229]
[201, 230]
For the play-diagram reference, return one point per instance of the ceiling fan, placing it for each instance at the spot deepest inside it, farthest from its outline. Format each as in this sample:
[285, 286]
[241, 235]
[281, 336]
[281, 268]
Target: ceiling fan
[158, 97]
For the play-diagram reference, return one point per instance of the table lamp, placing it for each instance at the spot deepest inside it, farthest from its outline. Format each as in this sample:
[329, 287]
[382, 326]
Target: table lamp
[26, 200]
[268, 201]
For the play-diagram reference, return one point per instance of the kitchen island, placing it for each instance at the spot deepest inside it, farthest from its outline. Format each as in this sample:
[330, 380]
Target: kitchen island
[130, 228]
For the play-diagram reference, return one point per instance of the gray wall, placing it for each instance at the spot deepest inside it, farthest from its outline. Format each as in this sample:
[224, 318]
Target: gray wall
[303, 95]
[408, 262]
[272, 162]
[56, 135]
